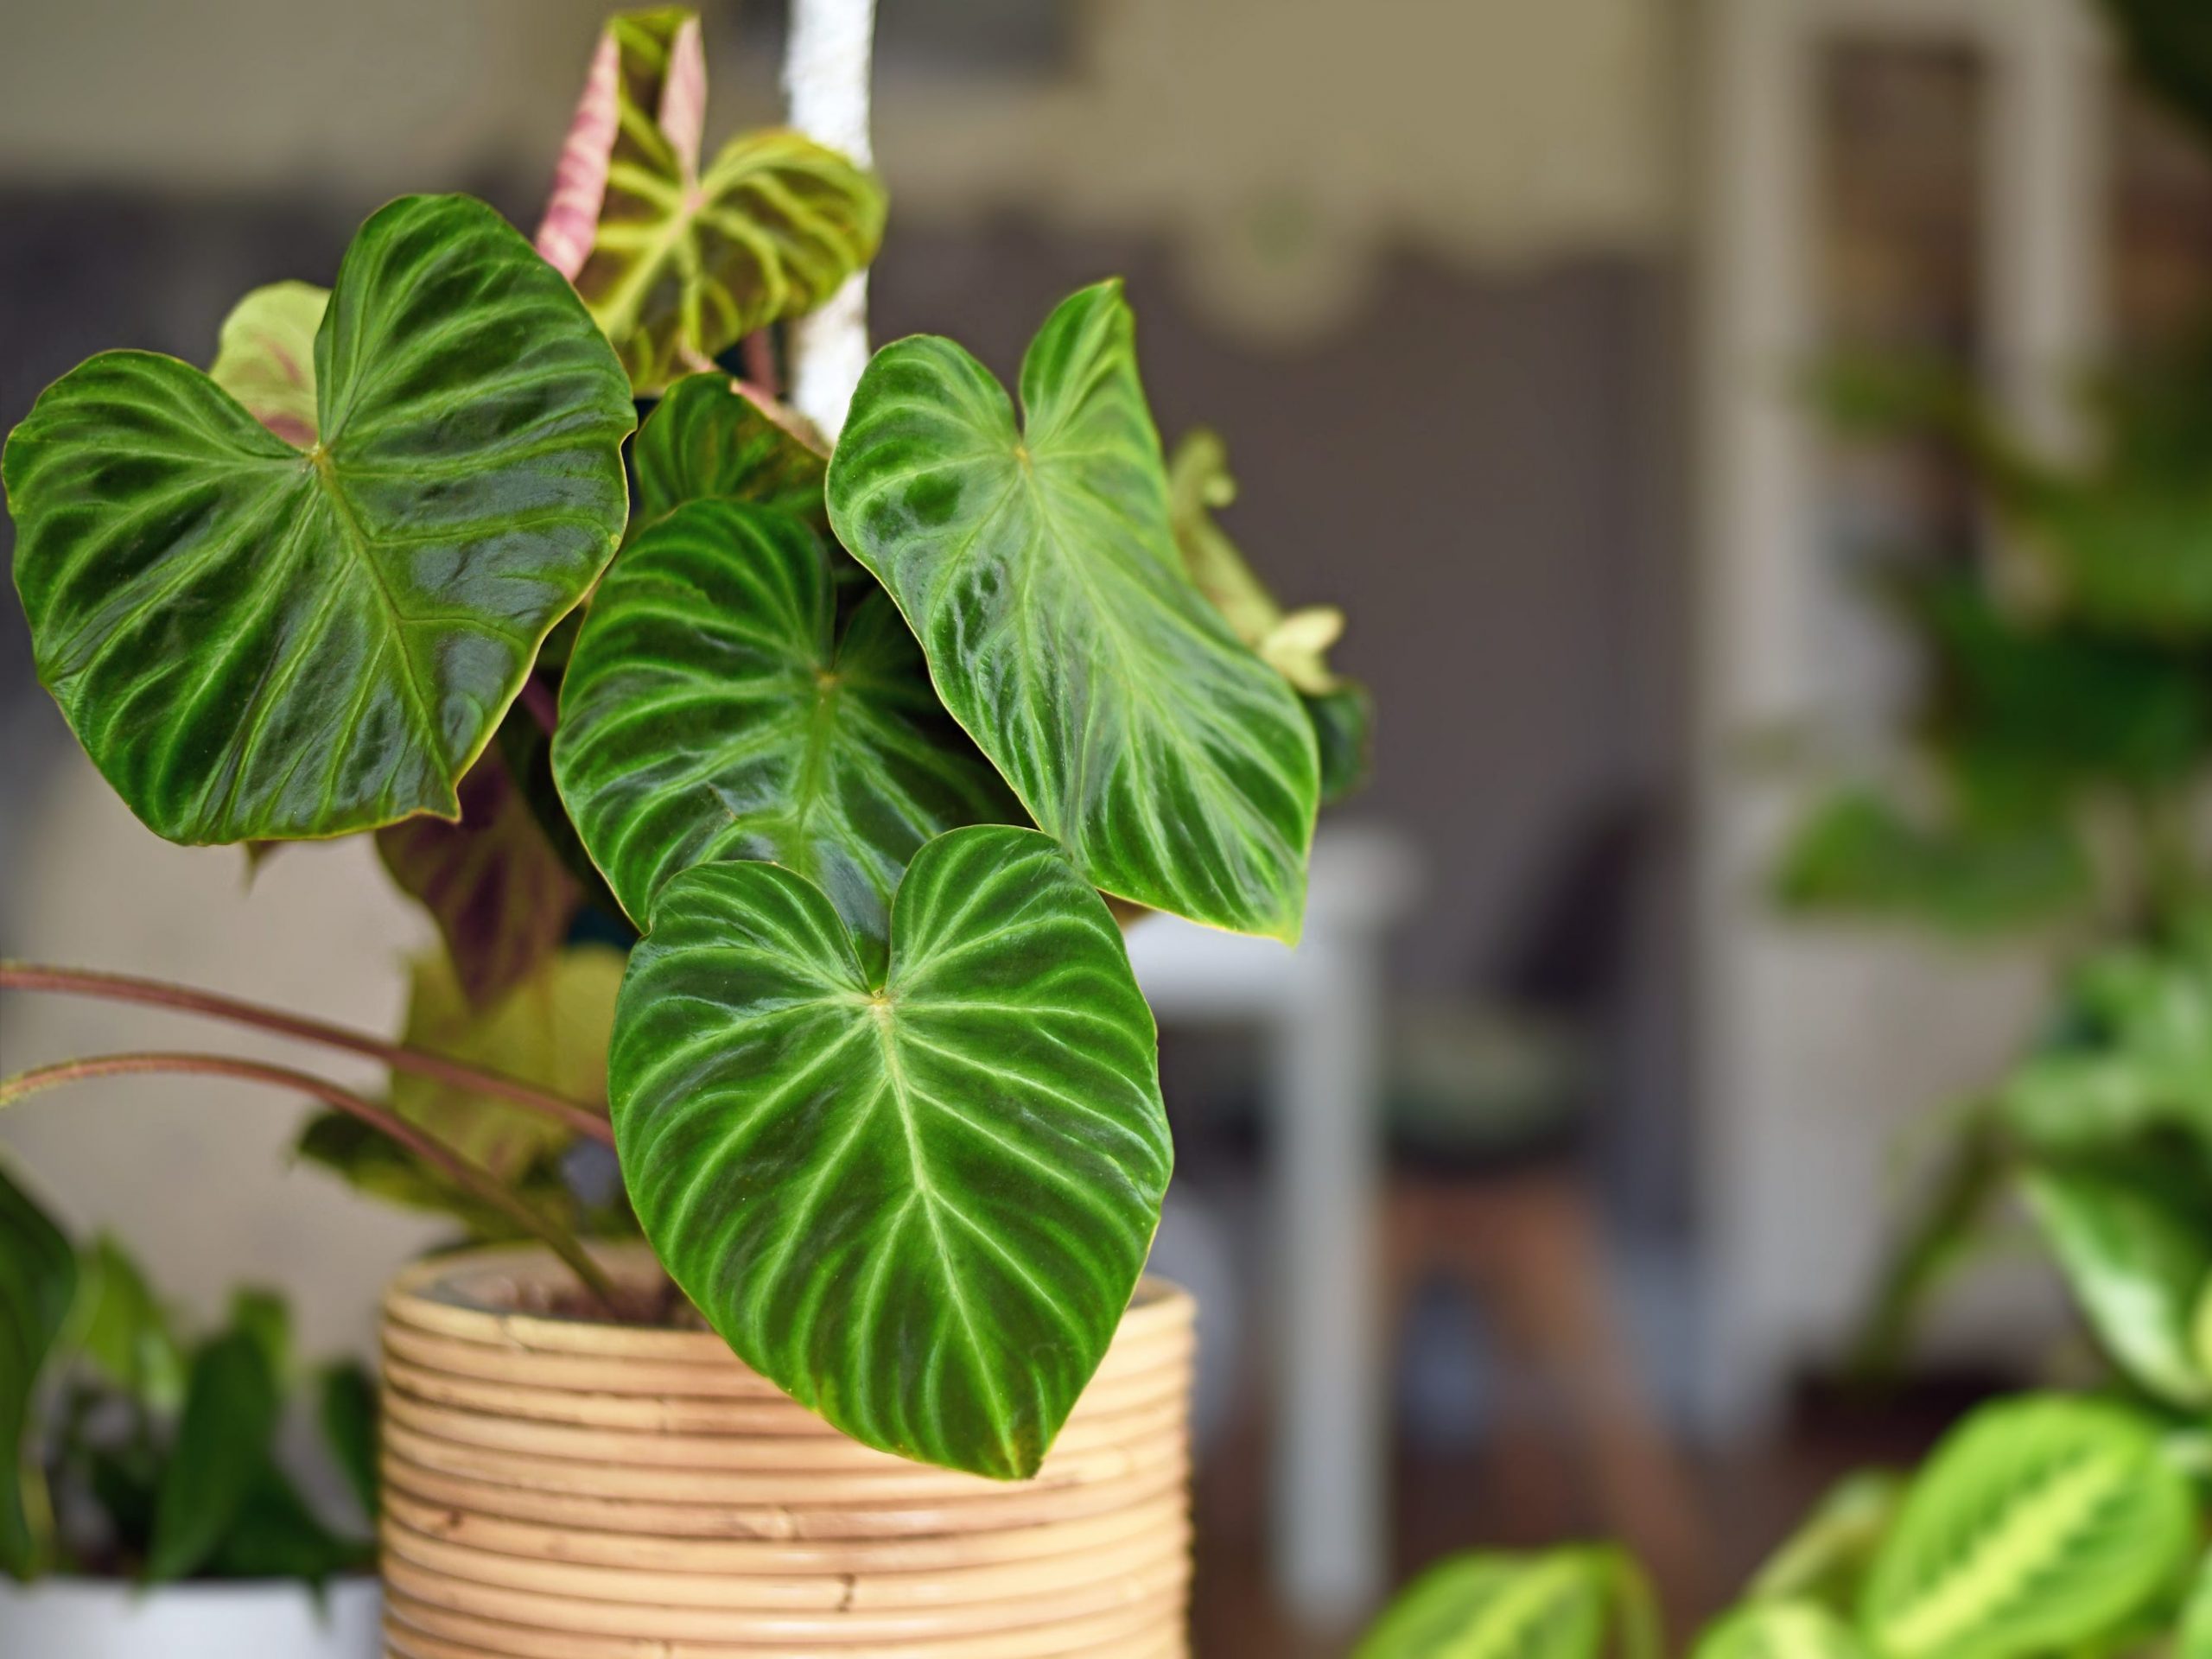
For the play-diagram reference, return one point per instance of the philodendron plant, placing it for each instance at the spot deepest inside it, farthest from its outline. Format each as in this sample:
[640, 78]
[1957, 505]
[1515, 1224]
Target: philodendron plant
[870, 745]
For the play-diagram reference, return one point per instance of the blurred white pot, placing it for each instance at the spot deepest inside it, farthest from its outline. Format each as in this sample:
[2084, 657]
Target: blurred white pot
[101, 1619]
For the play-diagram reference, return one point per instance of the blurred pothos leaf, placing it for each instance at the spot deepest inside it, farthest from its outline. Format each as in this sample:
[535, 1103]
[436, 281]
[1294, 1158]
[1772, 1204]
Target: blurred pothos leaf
[1564, 1604]
[253, 642]
[38, 1283]
[263, 1315]
[124, 1332]
[1782, 1630]
[1035, 559]
[716, 709]
[2040, 1523]
[2135, 1241]
[347, 1409]
[1937, 1239]
[915, 1195]
[222, 1448]
[708, 439]
[265, 358]
[550, 1030]
[274, 1534]
[1860, 855]
[1824, 1562]
[499, 892]
[678, 264]
[372, 1165]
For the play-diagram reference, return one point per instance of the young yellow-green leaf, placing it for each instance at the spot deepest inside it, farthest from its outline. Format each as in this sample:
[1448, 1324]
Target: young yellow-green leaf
[255, 642]
[1036, 563]
[714, 709]
[917, 1198]
[38, 1282]
[1555, 1605]
[2040, 1523]
[2194, 1641]
[499, 892]
[264, 357]
[550, 1030]
[706, 440]
[1782, 1630]
[682, 266]
[2136, 1248]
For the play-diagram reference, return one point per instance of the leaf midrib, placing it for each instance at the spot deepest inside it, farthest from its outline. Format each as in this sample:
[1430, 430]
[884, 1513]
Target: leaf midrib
[356, 539]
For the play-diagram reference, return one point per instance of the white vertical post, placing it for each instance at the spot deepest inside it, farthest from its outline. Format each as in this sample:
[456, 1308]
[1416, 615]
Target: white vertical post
[826, 68]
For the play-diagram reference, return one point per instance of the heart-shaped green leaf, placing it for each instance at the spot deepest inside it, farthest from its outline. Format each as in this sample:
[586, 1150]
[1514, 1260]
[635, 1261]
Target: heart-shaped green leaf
[712, 709]
[231, 1405]
[499, 892]
[253, 642]
[1783, 1629]
[707, 440]
[1039, 572]
[917, 1199]
[681, 264]
[264, 357]
[2040, 1523]
[38, 1282]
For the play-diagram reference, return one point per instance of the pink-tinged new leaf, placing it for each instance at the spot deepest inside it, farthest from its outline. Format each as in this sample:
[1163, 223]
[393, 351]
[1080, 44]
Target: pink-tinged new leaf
[571, 221]
[265, 358]
[683, 98]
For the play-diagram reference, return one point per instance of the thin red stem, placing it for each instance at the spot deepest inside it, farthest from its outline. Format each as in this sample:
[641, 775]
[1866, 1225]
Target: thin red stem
[479, 1184]
[154, 993]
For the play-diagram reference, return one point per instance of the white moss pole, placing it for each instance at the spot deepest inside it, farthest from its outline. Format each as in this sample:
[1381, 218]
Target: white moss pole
[826, 92]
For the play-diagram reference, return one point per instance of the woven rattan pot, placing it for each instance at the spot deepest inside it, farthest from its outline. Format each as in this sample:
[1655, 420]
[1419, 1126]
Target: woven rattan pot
[556, 1488]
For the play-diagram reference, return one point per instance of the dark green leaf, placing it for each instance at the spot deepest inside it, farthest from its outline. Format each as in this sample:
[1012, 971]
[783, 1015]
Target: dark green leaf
[231, 1407]
[38, 1282]
[2041, 1522]
[125, 1331]
[263, 1315]
[274, 1534]
[2136, 1242]
[346, 1407]
[2170, 45]
[255, 642]
[1037, 567]
[713, 711]
[1937, 1238]
[707, 440]
[918, 1200]
[1343, 730]
[499, 892]
[1859, 856]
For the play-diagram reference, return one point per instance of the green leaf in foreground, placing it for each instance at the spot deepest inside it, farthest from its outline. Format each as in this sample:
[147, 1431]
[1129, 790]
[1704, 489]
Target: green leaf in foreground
[1784, 1630]
[1557, 1605]
[707, 440]
[2136, 1244]
[264, 358]
[1036, 563]
[917, 1198]
[255, 642]
[2040, 1523]
[715, 710]
[222, 1449]
[38, 1282]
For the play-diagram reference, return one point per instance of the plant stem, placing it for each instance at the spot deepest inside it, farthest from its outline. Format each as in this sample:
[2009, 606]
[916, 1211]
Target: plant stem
[154, 993]
[478, 1183]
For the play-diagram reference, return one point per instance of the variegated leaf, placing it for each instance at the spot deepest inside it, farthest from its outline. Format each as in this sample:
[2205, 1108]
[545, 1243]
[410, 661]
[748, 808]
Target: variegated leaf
[1782, 1630]
[707, 439]
[918, 1197]
[1483, 1606]
[255, 642]
[714, 709]
[1038, 570]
